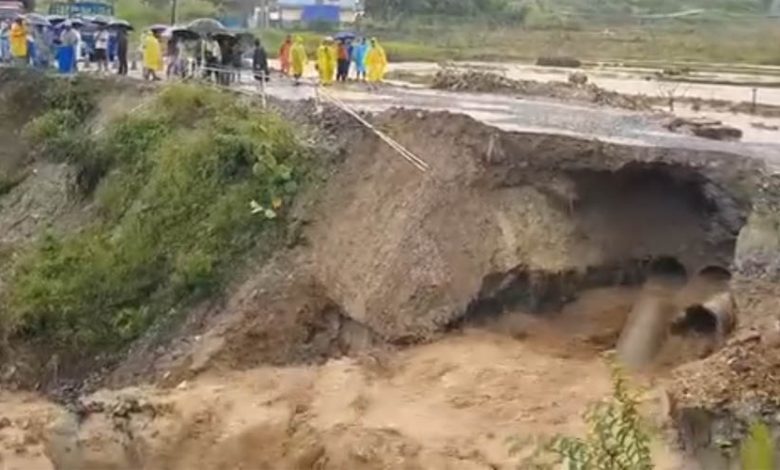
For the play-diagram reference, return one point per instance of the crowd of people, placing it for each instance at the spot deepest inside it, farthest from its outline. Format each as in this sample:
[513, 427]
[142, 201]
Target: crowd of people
[218, 57]
[61, 46]
[335, 58]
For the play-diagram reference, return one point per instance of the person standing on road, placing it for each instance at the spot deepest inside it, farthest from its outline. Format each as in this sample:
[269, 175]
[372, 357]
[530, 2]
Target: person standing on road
[5, 46]
[66, 56]
[284, 54]
[359, 53]
[153, 61]
[121, 51]
[343, 61]
[260, 62]
[376, 62]
[101, 49]
[298, 59]
[326, 61]
[18, 39]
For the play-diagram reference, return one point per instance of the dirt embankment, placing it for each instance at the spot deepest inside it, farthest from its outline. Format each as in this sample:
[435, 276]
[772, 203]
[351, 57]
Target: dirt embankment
[385, 254]
[543, 237]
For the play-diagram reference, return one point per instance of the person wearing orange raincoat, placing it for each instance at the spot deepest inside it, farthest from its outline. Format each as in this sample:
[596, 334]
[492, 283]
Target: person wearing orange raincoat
[284, 55]
[376, 62]
[298, 59]
[326, 61]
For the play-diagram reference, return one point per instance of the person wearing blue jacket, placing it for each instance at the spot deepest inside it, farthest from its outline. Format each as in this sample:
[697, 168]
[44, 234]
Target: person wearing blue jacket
[359, 53]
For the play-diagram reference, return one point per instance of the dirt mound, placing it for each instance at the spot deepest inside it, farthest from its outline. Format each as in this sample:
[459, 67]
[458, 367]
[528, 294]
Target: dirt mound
[484, 82]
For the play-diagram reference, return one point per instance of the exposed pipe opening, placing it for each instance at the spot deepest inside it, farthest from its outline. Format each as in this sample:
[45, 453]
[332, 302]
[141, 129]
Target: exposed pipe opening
[715, 274]
[667, 269]
[697, 319]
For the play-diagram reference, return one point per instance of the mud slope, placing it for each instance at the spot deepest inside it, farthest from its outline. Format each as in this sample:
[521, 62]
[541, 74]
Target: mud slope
[406, 253]
[501, 222]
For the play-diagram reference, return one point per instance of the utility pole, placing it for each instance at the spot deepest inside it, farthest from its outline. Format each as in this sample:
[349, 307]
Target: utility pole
[173, 11]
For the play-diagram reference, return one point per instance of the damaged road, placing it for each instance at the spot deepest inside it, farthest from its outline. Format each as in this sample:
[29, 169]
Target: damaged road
[534, 115]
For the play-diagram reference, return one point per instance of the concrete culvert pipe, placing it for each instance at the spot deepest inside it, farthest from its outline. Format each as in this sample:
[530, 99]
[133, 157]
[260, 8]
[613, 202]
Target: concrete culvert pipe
[715, 316]
[715, 274]
[667, 270]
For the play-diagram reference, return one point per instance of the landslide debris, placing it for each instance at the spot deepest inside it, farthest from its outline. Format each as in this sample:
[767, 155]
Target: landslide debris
[486, 82]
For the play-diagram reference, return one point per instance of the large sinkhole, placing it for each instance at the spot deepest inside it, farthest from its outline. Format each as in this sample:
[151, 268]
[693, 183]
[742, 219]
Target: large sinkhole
[646, 220]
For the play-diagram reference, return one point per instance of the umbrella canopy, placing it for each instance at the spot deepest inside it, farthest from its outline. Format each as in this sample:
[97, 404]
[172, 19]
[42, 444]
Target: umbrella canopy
[56, 19]
[182, 33]
[206, 26]
[245, 37]
[36, 19]
[100, 20]
[158, 27]
[344, 35]
[120, 24]
[223, 36]
[76, 22]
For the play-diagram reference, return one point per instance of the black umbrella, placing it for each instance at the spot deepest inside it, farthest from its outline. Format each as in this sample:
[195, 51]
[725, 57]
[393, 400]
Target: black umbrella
[120, 24]
[205, 26]
[223, 36]
[344, 36]
[181, 33]
[76, 22]
[56, 19]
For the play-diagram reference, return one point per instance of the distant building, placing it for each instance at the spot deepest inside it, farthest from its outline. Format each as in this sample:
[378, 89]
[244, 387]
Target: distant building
[289, 12]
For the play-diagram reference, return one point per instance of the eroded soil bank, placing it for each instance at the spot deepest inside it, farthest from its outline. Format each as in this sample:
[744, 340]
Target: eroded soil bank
[419, 319]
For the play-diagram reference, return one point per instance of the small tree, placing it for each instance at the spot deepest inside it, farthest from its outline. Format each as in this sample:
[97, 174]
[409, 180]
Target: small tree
[616, 439]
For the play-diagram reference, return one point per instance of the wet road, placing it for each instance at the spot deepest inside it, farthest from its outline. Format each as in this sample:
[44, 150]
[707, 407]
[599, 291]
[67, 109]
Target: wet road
[537, 115]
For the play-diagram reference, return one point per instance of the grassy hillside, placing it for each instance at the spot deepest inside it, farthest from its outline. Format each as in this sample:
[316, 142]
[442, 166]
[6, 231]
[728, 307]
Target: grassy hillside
[183, 189]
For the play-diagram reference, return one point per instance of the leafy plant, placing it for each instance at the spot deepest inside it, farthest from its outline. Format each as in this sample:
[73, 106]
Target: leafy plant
[616, 439]
[758, 448]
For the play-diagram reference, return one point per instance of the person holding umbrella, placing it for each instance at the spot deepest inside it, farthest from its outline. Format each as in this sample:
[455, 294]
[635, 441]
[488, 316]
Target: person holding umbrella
[260, 62]
[121, 51]
[101, 48]
[66, 55]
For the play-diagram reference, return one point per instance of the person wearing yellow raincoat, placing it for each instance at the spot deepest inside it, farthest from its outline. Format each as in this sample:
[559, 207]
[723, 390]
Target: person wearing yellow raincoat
[326, 61]
[153, 61]
[19, 42]
[376, 62]
[298, 59]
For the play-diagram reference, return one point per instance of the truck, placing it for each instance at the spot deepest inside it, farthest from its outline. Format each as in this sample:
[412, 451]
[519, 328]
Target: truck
[86, 11]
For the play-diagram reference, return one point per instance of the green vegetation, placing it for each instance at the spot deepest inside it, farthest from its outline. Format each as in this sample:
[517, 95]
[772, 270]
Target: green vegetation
[175, 186]
[758, 449]
[616, 439]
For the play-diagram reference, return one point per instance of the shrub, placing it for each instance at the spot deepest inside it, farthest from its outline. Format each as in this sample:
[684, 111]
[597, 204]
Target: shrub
[176, 204]
[616, 439]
